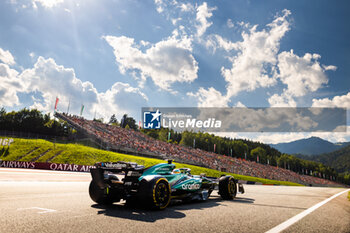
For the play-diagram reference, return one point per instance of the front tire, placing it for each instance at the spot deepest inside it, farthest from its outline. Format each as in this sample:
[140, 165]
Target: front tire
[155, 193]
[227, 187]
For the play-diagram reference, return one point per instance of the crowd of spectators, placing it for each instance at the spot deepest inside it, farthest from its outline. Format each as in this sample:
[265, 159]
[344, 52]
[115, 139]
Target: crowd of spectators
[119, 138]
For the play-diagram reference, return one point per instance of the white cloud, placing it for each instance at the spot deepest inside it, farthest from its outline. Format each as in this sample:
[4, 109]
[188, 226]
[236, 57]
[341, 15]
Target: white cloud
[174, 21]
[270, 138]
[273, 138]
[256, 62]
[229, 23]
[51, 80]
[186, 7]
[165, 62]
[119, 99]
[257, 51]
[203, 14]
[47, 3]
[6, 57]
[342, 101]
[209, 98]
[254, 58]
[283, 100]
[48, 80]
[10, 84]
[301, 74]
[163, 7]
[255, 120]
[330, 67]
[239, 104]
[216, 41]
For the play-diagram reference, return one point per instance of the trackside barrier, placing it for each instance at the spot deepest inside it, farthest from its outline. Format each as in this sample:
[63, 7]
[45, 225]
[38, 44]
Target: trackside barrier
[46, 166]
[252, 182]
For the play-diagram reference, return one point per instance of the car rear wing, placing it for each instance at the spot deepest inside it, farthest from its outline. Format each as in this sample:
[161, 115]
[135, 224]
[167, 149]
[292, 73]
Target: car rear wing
[120, 166]
[132, 172]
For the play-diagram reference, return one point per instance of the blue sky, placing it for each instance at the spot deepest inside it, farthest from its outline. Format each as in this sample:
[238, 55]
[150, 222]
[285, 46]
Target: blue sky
[117, 56]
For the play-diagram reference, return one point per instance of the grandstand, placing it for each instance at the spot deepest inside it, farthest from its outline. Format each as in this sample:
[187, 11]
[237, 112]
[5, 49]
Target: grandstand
[133, 142]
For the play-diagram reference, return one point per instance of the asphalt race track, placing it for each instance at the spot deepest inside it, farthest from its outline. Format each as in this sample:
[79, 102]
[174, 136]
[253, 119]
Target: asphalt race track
[50, 201]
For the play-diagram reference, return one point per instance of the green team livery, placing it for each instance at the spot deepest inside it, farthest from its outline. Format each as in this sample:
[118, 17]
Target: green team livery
[155, 186]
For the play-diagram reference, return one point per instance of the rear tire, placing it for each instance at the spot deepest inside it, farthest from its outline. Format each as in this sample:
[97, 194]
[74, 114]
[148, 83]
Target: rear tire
[101, 196]
[155, 193]
[227, 187]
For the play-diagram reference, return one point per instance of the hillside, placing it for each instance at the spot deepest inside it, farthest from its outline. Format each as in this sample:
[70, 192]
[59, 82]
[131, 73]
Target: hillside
[38, 150]
[308, 146]
[339, 159]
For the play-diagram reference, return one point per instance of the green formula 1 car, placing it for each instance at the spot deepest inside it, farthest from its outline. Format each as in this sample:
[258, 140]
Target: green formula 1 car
[155, 186]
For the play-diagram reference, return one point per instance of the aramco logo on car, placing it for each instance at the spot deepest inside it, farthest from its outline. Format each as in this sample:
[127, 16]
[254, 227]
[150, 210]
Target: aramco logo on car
[154, 120]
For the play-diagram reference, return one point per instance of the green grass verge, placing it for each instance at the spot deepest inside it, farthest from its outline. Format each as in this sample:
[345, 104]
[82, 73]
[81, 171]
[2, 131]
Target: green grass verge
[83, 155]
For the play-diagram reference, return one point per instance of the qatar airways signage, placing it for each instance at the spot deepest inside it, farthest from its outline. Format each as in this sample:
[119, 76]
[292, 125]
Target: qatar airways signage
[46, 166]
[242, 119]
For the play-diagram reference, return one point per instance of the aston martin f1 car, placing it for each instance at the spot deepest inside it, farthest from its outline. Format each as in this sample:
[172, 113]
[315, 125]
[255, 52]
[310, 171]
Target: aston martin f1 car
[155, 186]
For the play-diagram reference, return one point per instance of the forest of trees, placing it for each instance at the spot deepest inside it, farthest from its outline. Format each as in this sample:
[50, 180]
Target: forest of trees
[32, 121]
[339, 160]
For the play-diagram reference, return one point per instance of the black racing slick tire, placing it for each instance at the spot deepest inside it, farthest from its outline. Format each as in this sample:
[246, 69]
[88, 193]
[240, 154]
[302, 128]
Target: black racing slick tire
[227, 187]
[101, 196]
[155, 193]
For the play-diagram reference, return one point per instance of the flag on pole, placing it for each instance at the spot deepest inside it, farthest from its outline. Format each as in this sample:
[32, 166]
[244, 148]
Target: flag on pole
[169, 136]
[245, 155]
[268, 162]
[56, 103]
[140, 124]
[214, 147]
[194, 143]
[122, 122]
[231, 152]
[68, 106]
[257, 158]
[82, 109]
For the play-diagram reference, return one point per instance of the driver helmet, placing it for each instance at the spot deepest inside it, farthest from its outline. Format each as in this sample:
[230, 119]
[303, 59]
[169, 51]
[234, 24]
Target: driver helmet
[176, 171]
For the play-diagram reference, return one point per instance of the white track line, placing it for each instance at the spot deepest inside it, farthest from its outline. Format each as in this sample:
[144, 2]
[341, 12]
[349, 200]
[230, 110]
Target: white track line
[42, 210]
[301, 215]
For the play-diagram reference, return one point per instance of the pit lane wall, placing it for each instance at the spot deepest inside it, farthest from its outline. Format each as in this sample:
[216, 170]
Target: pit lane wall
[46, 166]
